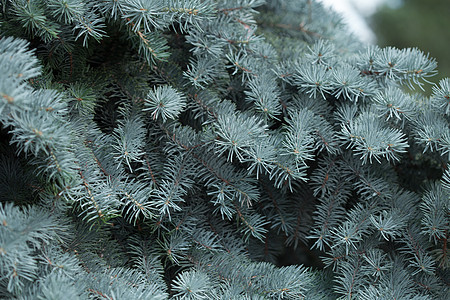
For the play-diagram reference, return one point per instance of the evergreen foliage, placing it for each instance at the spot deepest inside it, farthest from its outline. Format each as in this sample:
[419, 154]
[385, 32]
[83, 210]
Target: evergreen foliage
[223, 149]
[416, 23]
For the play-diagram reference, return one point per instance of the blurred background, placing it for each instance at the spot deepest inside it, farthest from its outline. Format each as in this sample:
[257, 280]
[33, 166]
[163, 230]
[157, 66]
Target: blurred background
[401, 23]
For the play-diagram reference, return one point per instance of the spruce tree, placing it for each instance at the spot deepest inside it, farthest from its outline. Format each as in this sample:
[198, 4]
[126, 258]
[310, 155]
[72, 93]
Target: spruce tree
[216, 149]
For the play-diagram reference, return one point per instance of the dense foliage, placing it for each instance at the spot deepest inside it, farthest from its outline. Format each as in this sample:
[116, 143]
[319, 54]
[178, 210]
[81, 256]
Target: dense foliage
[223, 149]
